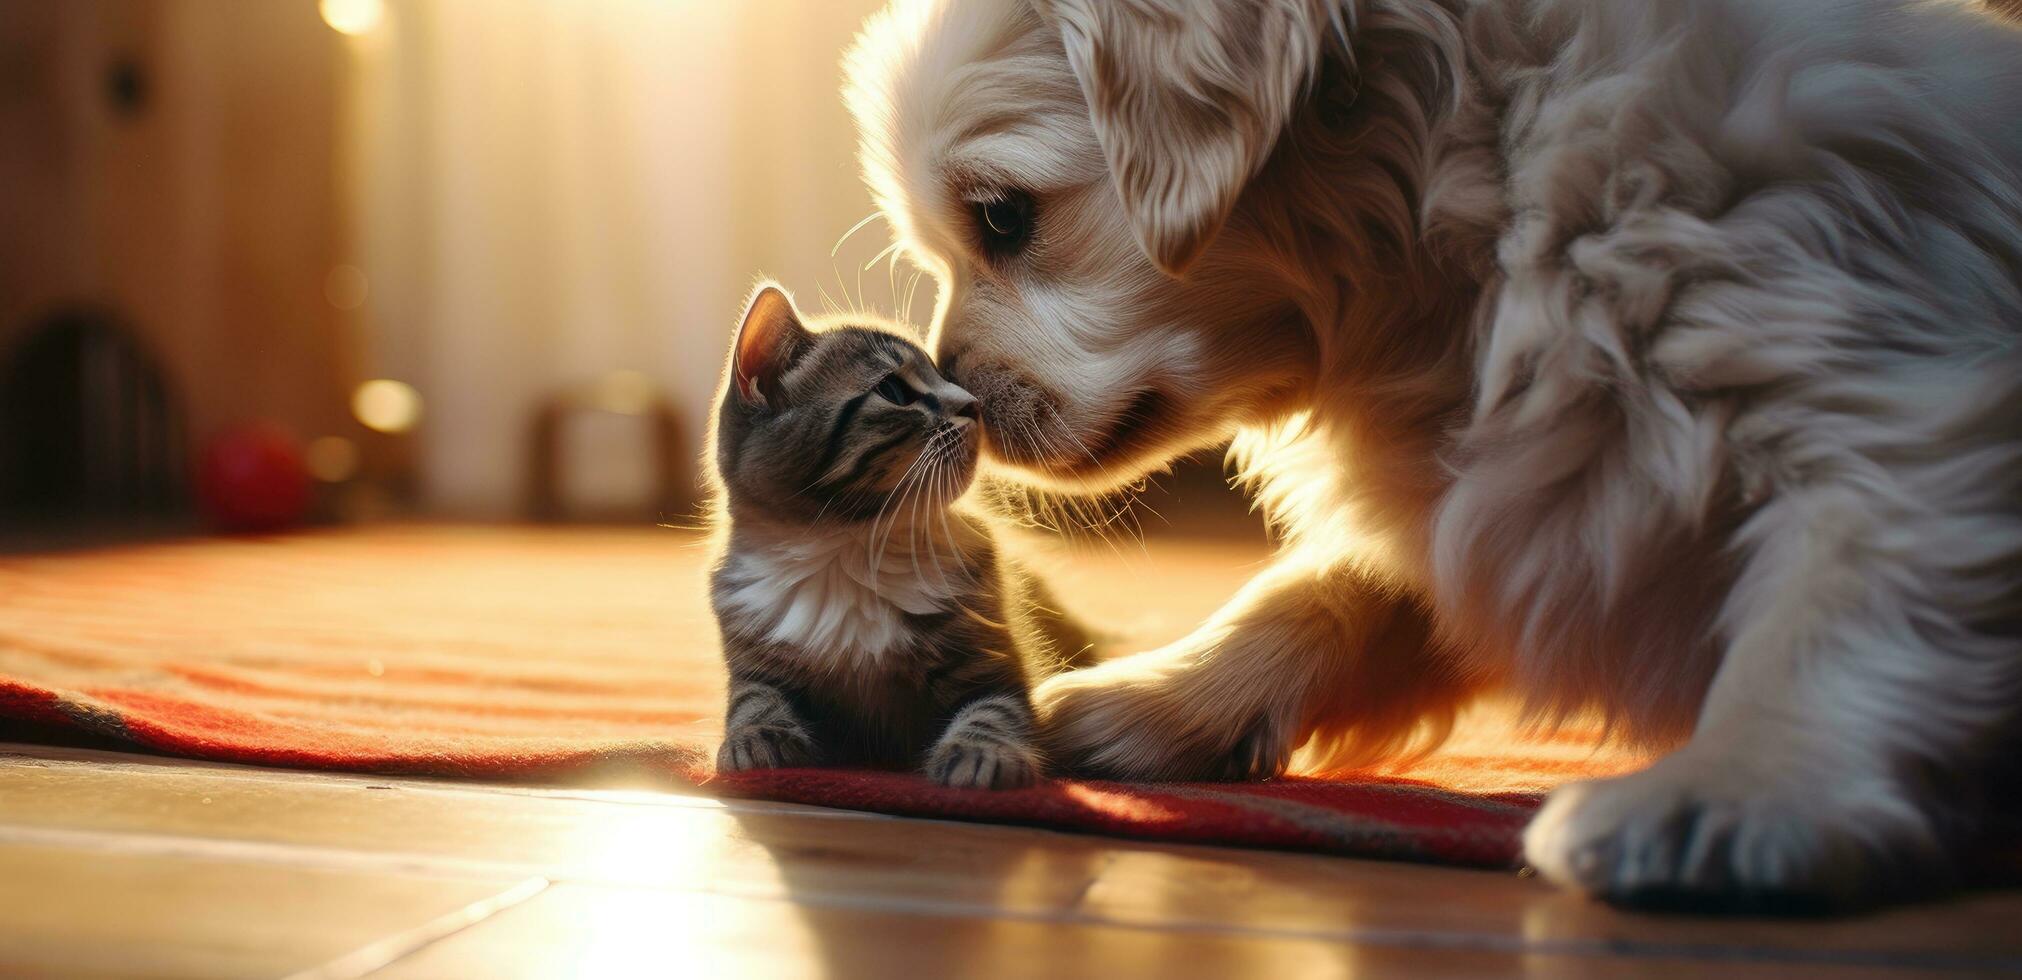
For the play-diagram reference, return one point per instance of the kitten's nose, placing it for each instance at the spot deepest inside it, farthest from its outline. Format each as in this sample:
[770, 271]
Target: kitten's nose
[963, 406]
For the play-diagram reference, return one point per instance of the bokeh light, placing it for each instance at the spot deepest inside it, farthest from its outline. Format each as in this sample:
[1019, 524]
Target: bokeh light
[346, 287]
[352, 17]
[385, 405]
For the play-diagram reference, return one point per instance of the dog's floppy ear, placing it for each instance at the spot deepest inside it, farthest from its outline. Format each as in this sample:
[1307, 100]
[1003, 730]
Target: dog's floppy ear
[1188, 97]
[769, 341]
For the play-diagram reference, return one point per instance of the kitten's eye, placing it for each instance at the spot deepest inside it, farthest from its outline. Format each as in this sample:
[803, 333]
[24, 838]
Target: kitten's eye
[896, 391]
[1005, 223]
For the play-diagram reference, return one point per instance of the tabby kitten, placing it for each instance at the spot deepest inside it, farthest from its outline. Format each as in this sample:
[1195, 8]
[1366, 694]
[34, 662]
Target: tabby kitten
[866, 619]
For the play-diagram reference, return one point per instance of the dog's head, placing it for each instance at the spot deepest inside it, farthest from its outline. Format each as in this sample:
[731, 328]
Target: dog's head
[1068, 170]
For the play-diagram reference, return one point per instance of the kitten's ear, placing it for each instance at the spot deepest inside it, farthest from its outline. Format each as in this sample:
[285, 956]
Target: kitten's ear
[768, 343]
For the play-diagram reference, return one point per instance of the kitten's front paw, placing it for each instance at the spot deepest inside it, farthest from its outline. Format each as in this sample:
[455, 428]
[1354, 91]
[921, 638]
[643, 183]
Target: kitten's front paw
[765, 747]
[988, 745]
[965, 764]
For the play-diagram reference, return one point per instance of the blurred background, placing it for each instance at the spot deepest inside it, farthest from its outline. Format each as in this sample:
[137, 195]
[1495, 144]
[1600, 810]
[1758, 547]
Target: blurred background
[274, 261]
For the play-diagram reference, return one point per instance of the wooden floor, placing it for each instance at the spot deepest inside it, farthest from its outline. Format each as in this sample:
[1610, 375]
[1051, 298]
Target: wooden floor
[120, 865]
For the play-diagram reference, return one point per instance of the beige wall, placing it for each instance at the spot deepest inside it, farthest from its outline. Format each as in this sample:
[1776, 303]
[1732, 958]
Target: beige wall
[551, 191]
[208, 220]
[540, 193]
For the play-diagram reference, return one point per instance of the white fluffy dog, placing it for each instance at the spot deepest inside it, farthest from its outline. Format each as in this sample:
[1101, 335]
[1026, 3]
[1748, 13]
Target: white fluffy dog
[1651, 357]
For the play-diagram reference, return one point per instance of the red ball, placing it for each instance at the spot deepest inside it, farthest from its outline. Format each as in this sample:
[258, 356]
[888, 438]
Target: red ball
[252, 478]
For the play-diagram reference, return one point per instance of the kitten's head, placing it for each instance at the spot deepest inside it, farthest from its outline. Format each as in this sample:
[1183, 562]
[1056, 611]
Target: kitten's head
[839, 423]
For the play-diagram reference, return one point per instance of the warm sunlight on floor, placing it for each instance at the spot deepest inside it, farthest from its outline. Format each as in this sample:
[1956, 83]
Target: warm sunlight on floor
[155, 867]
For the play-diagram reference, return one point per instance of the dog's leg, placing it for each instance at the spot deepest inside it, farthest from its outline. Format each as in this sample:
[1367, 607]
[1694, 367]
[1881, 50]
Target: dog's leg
[1297, 649]
[1852, 700]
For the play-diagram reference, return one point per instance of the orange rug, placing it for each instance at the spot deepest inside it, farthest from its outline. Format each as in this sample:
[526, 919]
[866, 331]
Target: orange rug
[573, 654]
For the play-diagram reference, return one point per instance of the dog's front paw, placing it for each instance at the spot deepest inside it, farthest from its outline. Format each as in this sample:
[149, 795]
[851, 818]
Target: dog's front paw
[1160, 716]
[1723, 835]
[766, 747]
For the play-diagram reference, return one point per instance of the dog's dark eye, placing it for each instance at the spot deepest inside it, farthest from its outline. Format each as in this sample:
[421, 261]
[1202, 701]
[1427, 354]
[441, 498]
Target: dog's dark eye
[1004, 223]
[896, 391]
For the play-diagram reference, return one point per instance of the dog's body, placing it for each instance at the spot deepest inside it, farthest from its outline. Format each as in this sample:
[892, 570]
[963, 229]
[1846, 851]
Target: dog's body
[1656, 358]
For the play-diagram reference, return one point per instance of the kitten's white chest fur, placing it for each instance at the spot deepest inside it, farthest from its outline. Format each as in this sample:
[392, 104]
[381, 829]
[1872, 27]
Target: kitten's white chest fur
[843, 595]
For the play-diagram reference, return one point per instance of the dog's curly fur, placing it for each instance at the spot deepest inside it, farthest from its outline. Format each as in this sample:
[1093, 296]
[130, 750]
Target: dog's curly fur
[1638, 356]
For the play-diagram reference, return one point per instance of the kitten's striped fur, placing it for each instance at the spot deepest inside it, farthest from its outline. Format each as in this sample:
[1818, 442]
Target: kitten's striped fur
[866, 618]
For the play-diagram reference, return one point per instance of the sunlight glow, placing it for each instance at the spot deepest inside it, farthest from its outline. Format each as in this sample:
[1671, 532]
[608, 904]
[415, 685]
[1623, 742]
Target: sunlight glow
[352, 17]
[1118, 804]
[676, 883]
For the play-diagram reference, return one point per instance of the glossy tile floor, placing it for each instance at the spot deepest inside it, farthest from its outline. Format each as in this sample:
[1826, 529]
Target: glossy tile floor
[122, 865]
